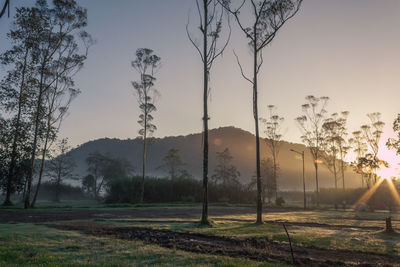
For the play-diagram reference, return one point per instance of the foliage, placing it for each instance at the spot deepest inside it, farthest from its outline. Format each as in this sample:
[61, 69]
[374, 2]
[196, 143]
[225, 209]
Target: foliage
[391, 142]
[172, 163]
[182, 189]
[225, 173]
[269, 185]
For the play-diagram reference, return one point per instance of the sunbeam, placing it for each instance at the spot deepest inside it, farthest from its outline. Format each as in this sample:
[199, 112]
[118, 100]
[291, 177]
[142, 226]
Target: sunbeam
[367, 195]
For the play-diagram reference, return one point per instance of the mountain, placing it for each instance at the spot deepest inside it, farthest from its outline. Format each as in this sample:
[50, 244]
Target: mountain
[240, 143]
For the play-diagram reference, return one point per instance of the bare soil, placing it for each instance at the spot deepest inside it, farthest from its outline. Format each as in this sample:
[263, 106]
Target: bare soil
[252, 248]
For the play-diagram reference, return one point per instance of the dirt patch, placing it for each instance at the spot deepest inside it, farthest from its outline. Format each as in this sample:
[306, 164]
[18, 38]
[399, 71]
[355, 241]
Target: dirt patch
[252, 248]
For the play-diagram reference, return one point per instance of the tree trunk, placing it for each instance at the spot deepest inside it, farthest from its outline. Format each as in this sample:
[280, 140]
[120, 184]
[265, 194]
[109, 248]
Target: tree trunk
[144, 151]
[204, 213]
[35, 139]
[42, 162]
[11, 168]
[316, 182]
[255, 113]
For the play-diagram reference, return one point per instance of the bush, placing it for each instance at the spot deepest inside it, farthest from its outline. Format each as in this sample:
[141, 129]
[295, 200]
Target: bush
[279, 201]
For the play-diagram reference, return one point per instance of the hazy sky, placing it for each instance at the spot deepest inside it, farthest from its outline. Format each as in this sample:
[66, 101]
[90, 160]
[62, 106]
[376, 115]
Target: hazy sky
[345, 49]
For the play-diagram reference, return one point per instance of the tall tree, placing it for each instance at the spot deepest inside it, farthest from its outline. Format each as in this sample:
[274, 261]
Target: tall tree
[360, 148]
[393, 143]
[59, 24]
[225, 172]
[60, 166]
[211, 19]
[310, 125]
[335, 144]
[267, 17]
[146, 64]
[15, 89]
[273, 132]
[372, 133]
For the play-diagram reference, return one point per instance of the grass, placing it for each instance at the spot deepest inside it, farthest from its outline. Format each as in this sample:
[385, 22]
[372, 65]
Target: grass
[34, 245]
[346, 238]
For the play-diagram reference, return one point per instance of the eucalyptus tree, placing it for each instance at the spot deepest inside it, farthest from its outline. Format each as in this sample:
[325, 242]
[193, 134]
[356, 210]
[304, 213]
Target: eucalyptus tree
[146, 64]
[360, 148]
[210, 15]
[15, 88]
[393, 143]
[273, 132]
[60, 166]
[58, 97]
[335, 144]
[310, 124]
[59, 24]
[372, 133]
[266, 18]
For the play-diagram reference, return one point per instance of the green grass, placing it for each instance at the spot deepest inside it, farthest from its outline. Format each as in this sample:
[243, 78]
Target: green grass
[345, 238]
[33, 245]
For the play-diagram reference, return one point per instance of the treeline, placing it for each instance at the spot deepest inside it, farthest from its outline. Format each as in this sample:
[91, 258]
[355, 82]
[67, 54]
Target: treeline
[181, 189]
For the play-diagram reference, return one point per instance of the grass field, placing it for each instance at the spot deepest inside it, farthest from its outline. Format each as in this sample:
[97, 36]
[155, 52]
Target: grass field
[28, 244]
[35, 245]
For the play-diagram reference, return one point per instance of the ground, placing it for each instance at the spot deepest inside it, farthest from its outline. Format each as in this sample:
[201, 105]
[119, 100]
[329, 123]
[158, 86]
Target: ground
[90, 234]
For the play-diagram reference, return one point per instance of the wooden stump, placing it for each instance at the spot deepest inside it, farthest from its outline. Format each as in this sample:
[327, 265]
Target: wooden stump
[389, 228]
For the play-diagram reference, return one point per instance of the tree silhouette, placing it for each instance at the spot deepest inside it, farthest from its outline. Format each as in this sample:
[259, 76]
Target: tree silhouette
[225, 172]
[335, 144]
[172, 163]
[310, 125]
[360, 148]
[391, 142]
[210, 18]
[16, 88]
[268, 16]
[372, 133]
[60, 167]
[146, 64]
[273, 139]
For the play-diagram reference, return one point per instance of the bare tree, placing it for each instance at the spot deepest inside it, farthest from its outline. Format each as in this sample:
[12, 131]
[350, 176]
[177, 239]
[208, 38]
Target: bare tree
[310, 125]
[268, 16]
[60, 167]
[146, 64]
[273, 139]
[210, 26]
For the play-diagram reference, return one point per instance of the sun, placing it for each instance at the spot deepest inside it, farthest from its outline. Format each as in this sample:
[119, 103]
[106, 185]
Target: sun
[387, 173]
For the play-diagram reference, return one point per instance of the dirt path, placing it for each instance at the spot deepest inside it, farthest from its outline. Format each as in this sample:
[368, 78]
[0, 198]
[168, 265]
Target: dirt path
[256, 249]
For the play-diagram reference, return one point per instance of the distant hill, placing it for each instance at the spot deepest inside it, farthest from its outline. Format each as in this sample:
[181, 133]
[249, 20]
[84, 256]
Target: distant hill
[240, 143]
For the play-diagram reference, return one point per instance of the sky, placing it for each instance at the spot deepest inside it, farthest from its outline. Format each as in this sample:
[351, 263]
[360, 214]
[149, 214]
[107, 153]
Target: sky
[345, 49]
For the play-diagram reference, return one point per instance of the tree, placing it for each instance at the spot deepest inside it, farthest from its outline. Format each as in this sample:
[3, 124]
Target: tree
[58, 28]
[60, 167]
[146, 64]
[335, 145]
[268, 181]
[268, 16]
[372, 133]
[15, 89]
[273, 139]
[360, 148]
[225, 172]
[172, 163]
[210, 17]
[391, 142]
[310, 125]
